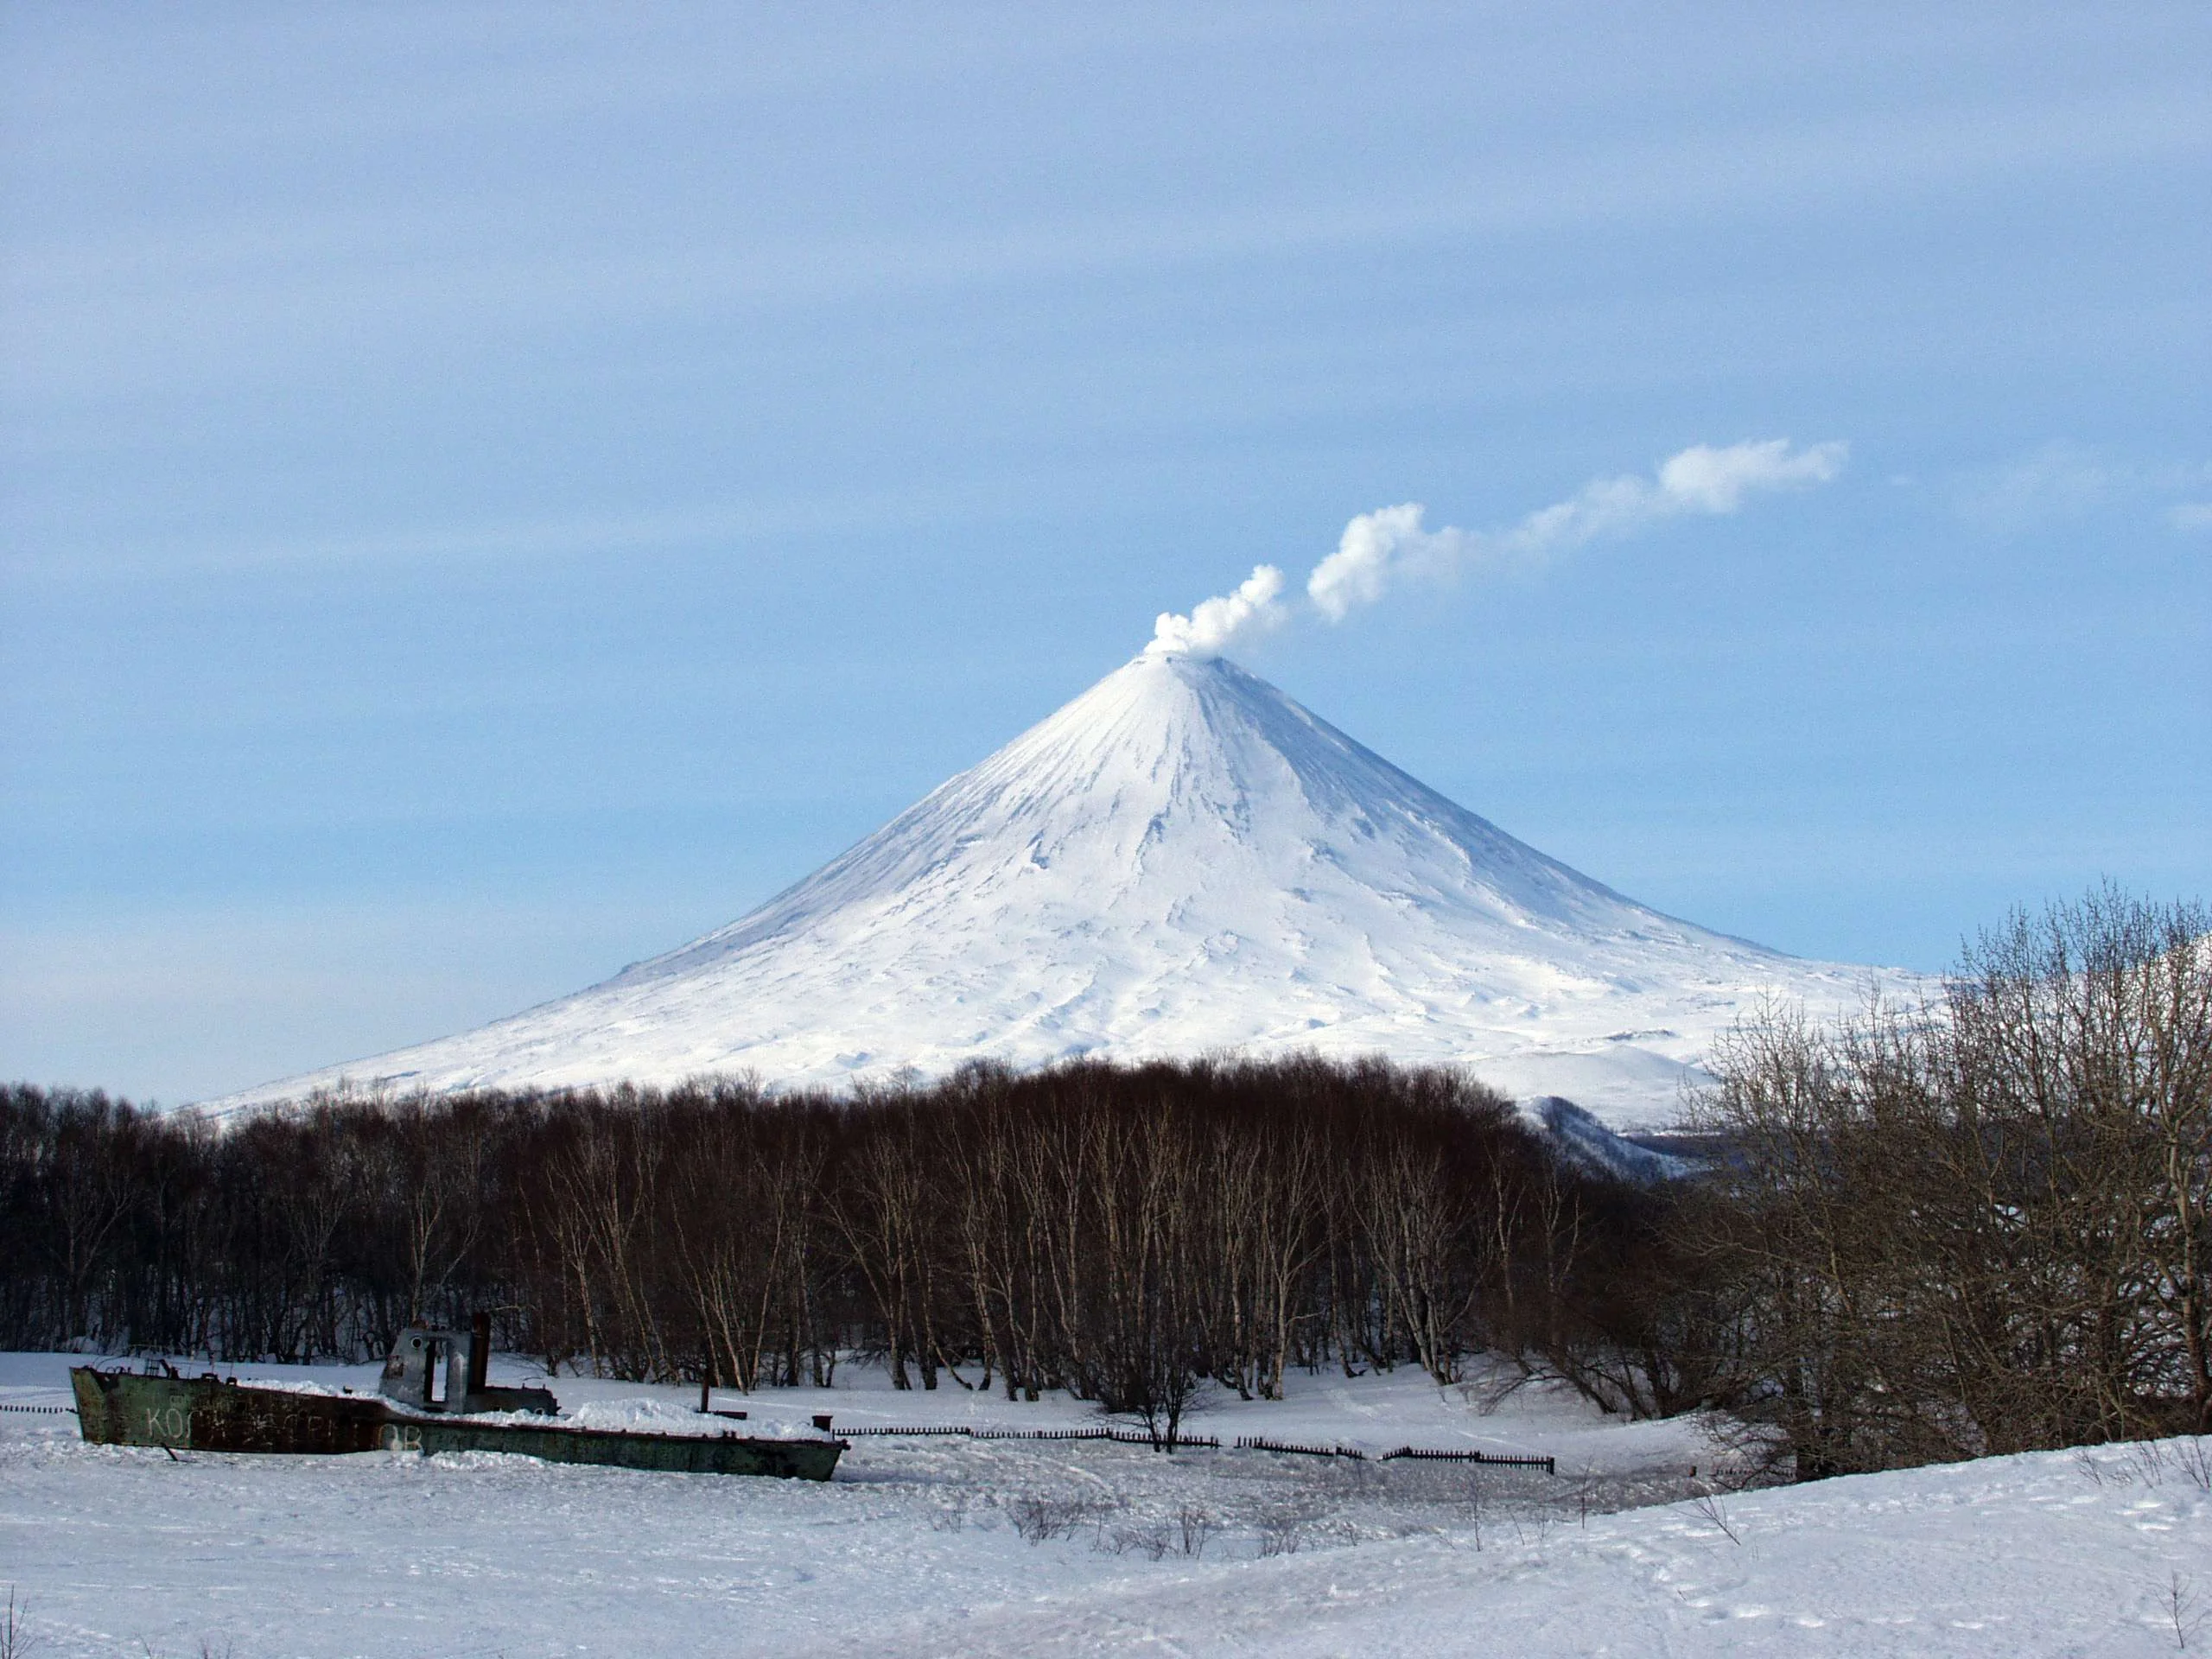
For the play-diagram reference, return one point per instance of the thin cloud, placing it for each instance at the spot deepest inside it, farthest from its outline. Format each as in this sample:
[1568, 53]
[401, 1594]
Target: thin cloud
[2061, 483]
[2053, 484]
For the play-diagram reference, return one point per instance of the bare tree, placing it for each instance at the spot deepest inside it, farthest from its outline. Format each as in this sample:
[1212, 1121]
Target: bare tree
[1979, 1225]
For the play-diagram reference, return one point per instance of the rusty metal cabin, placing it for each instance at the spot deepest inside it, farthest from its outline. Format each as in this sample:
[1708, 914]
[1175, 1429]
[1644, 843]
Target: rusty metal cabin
[439, 1370]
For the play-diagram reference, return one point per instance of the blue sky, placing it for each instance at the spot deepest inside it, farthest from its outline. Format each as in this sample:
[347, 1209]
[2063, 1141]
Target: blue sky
[492, 492]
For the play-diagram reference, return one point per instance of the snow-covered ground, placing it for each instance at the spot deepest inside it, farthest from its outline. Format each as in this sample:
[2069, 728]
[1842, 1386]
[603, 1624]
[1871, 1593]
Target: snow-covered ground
[1181, 861]
[957, 1546]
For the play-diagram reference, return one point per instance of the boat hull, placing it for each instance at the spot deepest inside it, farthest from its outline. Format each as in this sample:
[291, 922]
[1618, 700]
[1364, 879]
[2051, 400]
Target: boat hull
[208, 1413]
[683, 1454]
[205, 1413]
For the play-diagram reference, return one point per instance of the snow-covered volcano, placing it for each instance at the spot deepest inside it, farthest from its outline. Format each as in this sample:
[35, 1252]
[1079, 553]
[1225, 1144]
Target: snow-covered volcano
[1182, 860]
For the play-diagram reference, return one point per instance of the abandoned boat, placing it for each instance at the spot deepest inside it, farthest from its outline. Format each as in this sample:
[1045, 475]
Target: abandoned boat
[435, 1396]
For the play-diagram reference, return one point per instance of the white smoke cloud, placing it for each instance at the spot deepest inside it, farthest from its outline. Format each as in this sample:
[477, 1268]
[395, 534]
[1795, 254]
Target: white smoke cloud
[1252, 609]
[1379, 548]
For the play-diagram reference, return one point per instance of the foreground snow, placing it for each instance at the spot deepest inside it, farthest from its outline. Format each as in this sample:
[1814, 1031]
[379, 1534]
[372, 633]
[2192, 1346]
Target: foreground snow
[978, 1546]
[1182, 861]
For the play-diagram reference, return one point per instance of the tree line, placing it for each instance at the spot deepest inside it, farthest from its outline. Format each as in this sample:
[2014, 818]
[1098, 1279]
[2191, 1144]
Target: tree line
[1981, 1223]
[1125, 1233]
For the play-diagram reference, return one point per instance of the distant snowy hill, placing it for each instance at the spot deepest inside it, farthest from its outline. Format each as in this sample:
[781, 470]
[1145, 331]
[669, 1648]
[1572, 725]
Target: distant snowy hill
[1182, 860]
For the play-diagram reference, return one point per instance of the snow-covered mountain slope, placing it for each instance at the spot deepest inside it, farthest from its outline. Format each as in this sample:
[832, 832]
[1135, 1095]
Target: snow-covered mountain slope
[1182, 860]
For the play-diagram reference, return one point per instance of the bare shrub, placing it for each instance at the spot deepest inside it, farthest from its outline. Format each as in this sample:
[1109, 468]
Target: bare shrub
[1284, 1532]
[1149, 1541]
[209, 1647]
[2181, 1609]
[1709, 1505]
[1196, 1529]
[2193, 1458]
[1584, 1487]
[1039, 1516]
[1531, 1532]
[17, 1641]
[2148, 1459]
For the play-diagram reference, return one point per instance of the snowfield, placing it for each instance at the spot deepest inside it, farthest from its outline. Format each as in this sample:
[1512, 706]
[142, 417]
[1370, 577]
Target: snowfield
[957, 1546]
[1181, 861]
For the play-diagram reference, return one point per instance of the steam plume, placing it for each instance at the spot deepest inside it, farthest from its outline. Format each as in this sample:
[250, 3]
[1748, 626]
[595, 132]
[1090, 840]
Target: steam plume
[1379, 548]
[1252, 609]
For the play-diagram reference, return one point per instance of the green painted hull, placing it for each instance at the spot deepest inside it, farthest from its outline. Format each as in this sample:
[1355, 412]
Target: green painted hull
[207, 1413]
[681, 1454]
